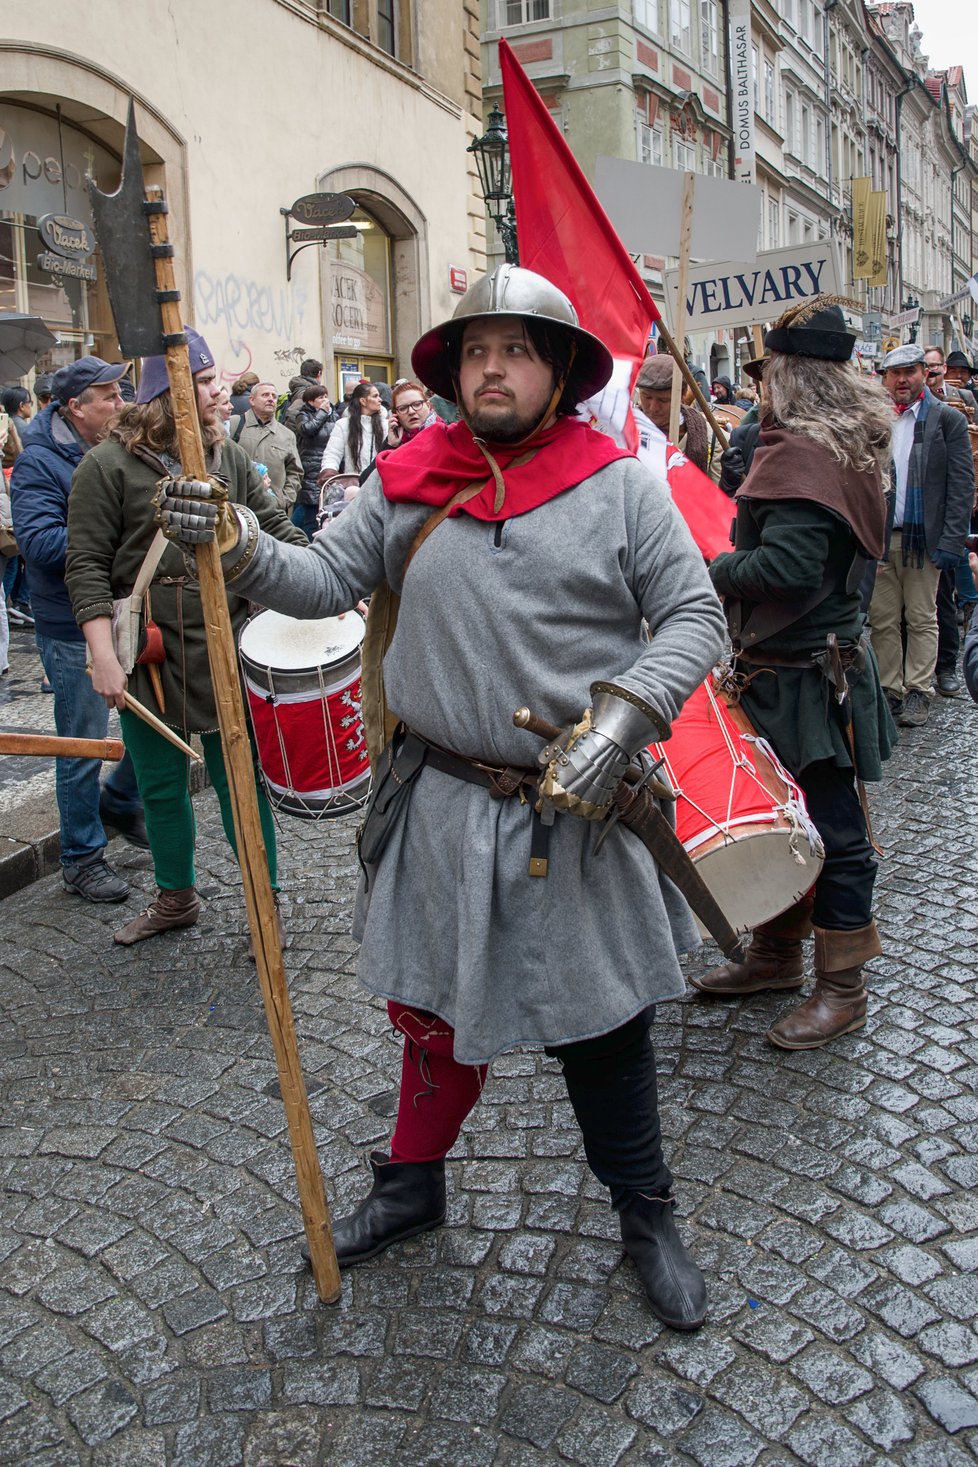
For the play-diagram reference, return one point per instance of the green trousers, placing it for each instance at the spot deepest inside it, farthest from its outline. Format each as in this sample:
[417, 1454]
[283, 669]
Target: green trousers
[162, 776]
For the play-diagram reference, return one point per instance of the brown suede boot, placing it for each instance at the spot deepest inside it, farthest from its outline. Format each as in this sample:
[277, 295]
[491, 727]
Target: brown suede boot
[838, 1005]
[773, 959]
[170, 909]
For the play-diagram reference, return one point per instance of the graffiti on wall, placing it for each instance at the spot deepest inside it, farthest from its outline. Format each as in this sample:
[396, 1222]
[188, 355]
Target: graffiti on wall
[239, 315]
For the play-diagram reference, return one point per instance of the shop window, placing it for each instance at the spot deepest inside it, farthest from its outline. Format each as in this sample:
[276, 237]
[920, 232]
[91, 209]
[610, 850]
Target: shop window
[49, 266]
[360, 298]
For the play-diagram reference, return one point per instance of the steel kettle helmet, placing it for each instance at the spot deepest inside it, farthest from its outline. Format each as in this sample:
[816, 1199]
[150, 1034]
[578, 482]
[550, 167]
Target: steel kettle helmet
[510, 290]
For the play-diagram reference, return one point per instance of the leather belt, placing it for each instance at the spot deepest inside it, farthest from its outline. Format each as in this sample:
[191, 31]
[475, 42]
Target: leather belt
[501, 782]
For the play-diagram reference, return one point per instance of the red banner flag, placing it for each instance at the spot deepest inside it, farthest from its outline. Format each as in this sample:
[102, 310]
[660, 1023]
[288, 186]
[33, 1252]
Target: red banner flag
[565, 235]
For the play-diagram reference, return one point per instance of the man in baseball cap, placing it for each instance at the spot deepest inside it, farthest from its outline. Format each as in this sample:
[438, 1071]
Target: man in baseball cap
[85, 398]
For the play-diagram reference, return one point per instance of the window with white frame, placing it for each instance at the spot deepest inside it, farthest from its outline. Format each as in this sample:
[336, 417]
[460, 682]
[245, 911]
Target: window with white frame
[715, 168]
[789, 121]
[683, 155]
[773, 224]
[522, 12]
[757, 72]
[710, 37]
[792, 228]
[806, 135]
[649, 143]
[680, 32]
[646, 14]
[769, 104]
[819, 160]
[816, 29]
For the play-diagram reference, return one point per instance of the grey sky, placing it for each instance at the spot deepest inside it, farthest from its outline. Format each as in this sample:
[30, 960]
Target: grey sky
[950, 32]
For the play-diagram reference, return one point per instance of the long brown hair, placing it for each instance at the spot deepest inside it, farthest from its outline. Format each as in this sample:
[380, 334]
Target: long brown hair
[152, 426]
[356, 415]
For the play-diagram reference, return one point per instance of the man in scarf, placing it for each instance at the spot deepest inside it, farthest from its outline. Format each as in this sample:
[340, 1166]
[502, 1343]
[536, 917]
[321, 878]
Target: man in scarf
[928, 517]
[526, 550]
[810, 516]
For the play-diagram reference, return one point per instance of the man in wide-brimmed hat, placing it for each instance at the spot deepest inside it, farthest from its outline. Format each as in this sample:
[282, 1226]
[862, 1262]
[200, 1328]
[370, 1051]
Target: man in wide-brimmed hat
[810, 516]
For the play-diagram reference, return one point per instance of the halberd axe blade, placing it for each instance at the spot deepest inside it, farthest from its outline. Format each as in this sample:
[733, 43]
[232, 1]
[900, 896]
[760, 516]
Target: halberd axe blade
[122, 231]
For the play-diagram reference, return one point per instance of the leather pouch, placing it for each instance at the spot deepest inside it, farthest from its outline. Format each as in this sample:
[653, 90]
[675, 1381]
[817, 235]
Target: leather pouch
[400, 764]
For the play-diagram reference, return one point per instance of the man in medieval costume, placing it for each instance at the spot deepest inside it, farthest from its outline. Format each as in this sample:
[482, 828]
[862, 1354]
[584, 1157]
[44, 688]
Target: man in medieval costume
[810, 517]
[527, 550]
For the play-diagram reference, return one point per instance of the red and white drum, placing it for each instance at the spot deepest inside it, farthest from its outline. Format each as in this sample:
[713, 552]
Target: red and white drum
[739, 813]
[302, 680]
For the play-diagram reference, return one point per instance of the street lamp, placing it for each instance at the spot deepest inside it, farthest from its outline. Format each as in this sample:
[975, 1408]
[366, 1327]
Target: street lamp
[912, 304]
[495, 179]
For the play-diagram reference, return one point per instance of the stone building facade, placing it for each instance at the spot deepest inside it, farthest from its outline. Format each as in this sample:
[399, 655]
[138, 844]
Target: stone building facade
[240, 113]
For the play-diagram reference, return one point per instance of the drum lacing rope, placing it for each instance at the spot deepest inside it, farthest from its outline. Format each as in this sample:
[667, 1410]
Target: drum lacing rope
[793, 809]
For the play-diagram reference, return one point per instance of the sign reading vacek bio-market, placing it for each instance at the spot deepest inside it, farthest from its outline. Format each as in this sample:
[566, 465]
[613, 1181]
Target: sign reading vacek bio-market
[736, 293]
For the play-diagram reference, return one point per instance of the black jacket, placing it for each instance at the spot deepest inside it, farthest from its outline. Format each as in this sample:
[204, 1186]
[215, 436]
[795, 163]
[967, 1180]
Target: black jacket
[312, 430]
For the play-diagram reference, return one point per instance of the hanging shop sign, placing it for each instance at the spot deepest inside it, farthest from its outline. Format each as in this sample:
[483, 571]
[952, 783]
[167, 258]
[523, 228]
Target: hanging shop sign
[70, 244]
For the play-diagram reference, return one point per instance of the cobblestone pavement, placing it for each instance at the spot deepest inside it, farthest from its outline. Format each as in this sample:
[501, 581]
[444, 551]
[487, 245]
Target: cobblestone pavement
[153, 1308]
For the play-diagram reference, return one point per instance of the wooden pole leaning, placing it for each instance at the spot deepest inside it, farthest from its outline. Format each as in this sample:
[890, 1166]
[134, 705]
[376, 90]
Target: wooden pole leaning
[241, 783]
[685, 238]
[704, 404]
[45, 745]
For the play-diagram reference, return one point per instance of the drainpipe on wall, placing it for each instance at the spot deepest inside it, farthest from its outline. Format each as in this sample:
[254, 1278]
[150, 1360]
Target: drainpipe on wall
[827, 66]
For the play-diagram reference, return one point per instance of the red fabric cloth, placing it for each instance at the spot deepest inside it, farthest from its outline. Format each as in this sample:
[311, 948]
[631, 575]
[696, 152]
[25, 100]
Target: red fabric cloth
[445, 458]
[566, 235]
[437, 1092]
[705, 508]
[904, 407]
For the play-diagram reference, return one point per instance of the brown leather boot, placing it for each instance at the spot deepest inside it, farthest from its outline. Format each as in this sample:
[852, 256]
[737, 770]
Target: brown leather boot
[170, 909]
[773, 959]
[838, 1005]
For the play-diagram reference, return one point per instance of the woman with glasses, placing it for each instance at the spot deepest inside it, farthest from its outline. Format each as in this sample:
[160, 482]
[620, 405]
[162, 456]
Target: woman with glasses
[412, 413]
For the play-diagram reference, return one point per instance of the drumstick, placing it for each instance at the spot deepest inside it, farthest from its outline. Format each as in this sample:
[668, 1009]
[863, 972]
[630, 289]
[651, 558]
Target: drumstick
[523, 718]
[141, 711]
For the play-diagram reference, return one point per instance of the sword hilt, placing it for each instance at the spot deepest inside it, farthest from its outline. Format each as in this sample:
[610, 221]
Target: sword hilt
[525, 718]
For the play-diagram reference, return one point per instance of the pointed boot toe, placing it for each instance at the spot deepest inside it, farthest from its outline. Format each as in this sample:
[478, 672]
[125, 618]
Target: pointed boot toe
[675, 1287]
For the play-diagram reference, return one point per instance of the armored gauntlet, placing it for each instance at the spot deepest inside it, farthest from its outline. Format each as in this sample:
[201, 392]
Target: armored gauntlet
[583, 768]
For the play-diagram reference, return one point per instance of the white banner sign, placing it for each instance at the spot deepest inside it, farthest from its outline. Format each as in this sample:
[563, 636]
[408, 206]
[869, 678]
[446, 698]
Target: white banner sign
[742, 67]
[736, 293]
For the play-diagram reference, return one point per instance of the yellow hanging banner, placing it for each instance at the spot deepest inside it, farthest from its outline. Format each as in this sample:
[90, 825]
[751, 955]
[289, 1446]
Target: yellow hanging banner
[876, 235]
[861, 243]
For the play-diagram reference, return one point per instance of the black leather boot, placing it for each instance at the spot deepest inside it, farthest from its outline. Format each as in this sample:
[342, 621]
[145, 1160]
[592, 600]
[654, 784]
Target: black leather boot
[675, 1287]
[407, 1197]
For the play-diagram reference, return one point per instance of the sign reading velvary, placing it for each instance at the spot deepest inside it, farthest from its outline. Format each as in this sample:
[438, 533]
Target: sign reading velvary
[736, 293]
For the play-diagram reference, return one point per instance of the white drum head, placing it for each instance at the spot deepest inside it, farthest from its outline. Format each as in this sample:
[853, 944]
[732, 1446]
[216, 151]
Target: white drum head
[288, 644]
[757, 877]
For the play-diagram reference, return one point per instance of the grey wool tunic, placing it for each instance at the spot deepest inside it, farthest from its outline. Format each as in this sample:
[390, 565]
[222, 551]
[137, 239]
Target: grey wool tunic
[528, 610]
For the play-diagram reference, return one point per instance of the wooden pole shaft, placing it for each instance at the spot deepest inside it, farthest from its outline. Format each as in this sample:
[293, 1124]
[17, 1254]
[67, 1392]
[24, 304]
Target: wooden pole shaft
[244, 804]
[61, 748]
[685, 237]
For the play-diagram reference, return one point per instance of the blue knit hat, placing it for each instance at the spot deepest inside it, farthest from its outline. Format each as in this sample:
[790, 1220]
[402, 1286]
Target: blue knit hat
[153, 381]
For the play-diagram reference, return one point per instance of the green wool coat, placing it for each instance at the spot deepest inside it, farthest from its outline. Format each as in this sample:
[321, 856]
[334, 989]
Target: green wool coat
[111, 526]
[792, 542]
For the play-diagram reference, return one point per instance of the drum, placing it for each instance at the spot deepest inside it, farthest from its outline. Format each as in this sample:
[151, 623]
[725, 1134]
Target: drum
[740, 815]
[302, 680]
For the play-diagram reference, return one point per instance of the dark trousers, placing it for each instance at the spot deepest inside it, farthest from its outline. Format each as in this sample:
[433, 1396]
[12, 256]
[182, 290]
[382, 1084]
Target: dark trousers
[948, 636]
[611, 1084]
[844, 890]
